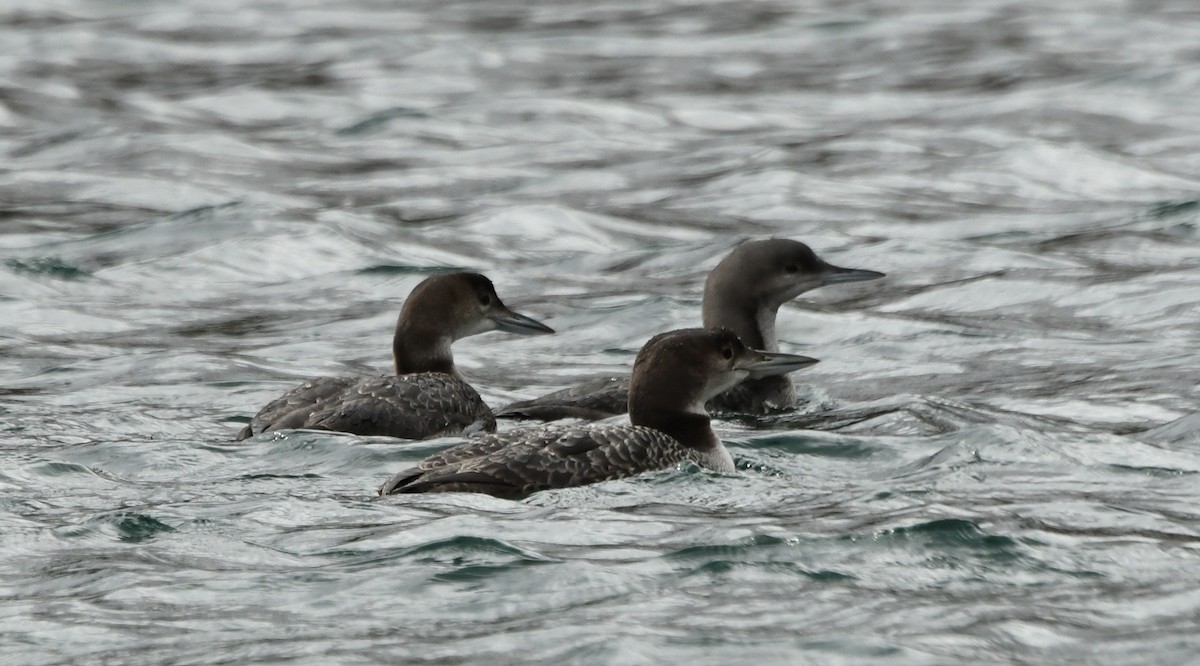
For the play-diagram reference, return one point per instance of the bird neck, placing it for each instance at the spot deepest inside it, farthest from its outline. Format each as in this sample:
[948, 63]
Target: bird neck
[416, 350]
[688, 428]
[753, 322]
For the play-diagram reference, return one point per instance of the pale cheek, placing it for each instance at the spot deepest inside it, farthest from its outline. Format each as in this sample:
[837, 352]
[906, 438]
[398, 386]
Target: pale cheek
[727, 380]
[482, 325]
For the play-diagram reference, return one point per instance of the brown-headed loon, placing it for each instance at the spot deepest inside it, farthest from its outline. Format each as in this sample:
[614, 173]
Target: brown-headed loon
[427, 397]
[674, 375]
[743, 294]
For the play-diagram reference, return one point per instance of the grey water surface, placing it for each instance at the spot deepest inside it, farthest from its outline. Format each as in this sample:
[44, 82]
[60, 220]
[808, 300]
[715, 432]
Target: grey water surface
[201, 204]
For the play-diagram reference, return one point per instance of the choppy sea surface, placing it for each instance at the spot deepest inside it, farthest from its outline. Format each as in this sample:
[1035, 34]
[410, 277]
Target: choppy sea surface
[201, 204]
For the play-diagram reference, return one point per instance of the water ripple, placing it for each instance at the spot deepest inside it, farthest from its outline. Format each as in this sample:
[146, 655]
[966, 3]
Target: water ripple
[994, 461]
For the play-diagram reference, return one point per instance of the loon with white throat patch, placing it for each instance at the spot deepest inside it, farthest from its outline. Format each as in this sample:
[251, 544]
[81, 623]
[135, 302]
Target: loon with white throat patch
[427, 397]
[743, 293]
[674, 375]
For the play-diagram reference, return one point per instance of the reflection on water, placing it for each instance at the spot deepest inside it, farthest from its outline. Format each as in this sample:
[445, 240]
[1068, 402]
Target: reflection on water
[200, 206]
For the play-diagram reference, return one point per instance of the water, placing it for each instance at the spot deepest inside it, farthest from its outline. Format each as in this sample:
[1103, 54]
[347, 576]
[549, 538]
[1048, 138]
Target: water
[201, 205]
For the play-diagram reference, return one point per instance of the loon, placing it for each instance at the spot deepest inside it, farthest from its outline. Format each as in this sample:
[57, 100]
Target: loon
[743, 293]
[674, 375]
[427, 397]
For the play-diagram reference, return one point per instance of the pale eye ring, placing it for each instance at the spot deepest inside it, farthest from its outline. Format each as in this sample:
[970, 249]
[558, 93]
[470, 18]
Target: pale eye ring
[485, 299]
[727, 353]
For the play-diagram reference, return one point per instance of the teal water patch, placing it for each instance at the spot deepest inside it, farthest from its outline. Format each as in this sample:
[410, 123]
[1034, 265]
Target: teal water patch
[53, 267]
[749, 544]
[720, 567]
[465, 545]
[471, 559]
[1172, 208]
[20, 391]
[460, 552]
[1158, 472]
[951, 533]
[842, 447]
[205, 213]
[54, 469]
[380, 120]
[838, 26]
[855, 646]
[761, 551]
[129, 527]
[137, 527]
[1182, 432]
[473, 573]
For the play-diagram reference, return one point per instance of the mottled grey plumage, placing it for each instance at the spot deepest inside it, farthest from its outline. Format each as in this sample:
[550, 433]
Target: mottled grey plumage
[601, 398]
[591, 400]
[517, 463]
[427, 397]
[743, 293]
[672, 376]
[291, 409]
[415, 406]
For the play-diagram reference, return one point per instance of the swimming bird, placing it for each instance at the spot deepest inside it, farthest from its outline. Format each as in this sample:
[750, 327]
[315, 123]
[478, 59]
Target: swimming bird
[743, 293]
[673, 376]
[427, 397]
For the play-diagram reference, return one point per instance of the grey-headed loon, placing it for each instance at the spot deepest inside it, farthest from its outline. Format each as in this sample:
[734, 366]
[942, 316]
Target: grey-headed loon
[743, 293]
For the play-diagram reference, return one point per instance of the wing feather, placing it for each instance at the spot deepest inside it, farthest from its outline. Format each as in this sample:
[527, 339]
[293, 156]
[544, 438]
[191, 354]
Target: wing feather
[609, 396]
[416, 406]
[519, 462]
[591, 400]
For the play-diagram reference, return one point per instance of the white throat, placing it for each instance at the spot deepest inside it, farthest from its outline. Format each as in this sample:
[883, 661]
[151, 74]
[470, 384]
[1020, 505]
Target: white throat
[765, 319]
[715, 457]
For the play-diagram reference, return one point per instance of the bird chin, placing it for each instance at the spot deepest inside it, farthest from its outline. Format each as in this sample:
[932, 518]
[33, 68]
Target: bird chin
[794, 290]
[723, 383]
[483, 326]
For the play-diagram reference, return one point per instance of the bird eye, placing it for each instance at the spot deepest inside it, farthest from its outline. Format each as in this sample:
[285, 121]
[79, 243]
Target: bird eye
[792, 268]
[727, 352]
[485, 299]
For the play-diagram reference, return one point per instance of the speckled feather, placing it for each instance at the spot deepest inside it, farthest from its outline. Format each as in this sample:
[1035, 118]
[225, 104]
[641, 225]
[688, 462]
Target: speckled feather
[520, 462]
[592, 400]
[609, 396]
[413, 406]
